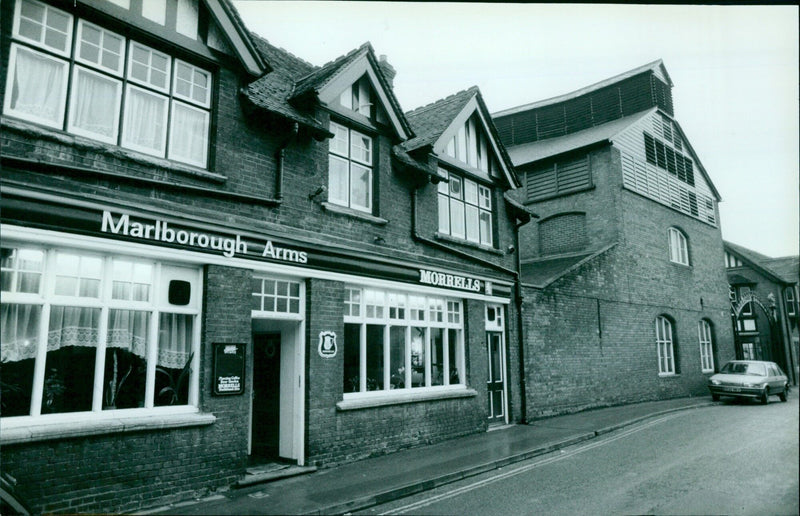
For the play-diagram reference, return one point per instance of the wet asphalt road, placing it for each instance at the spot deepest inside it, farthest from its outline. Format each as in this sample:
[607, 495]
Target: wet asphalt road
[730, 458]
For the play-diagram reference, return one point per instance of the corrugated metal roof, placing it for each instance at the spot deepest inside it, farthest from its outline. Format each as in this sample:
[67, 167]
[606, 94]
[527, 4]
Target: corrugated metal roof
[534, 151]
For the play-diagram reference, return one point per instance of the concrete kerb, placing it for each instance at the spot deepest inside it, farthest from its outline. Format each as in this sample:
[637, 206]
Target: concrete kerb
[359, 504]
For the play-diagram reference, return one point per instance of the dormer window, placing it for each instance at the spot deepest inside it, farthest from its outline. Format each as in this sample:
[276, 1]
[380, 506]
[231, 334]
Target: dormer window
[103, 83]
[350, 168]
[357, 97]
[469, 145]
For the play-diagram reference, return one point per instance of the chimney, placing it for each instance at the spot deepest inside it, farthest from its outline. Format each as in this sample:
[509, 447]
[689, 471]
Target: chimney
[388, 70]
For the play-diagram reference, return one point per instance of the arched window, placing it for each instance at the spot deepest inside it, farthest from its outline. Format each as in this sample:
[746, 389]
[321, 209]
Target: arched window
[706, 346]
[678, 248]
[665, 346]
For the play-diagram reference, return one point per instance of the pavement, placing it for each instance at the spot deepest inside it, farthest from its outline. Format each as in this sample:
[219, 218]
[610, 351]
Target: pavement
[366, 483]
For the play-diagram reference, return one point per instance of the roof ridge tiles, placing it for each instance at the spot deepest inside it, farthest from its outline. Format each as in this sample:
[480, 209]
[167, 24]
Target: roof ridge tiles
[451, 97]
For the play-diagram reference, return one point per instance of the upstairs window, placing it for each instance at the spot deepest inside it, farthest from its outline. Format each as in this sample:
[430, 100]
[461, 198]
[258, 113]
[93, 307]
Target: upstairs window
[357, 97]
[465, 209]
[732, 261]
[350, 168]
[791, 302]
[469, 145]
[163, 103]
[678, 250]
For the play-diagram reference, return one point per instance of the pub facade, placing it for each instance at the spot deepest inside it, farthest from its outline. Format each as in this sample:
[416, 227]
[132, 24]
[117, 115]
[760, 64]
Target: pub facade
[215, 254]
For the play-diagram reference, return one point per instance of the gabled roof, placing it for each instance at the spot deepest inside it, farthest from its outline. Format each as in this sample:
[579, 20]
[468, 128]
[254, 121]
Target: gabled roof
[316, 82]
[433, 123]
[230, 23]
[538, 150]
[656, 67]
[764, 264]
[272, 91]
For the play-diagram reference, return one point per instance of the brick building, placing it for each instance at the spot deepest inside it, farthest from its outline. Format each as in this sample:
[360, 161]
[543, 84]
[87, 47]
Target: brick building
[215, 253]
[764, 310]
[622, 275]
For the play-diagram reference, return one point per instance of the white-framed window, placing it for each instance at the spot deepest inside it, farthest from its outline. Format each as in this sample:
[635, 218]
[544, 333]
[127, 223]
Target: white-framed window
[401, 342]
[358, 97]
[85, 88]
[665, 346]
[706, 346]
[732, 261]
[276, 296]
[678, 249]
[791, 302]
[350, 168]
[469, 145]
[465, 209]
[86, 332]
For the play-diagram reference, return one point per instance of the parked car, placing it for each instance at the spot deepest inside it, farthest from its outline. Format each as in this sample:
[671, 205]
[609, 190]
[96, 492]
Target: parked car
[749, 379]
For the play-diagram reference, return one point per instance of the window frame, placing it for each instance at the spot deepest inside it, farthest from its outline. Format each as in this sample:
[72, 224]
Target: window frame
[678, 246]
[665, 346]
[352, 161]
[791, 302]
[71, 65]
[706, 340]
[390, 308]
[156, 307]
[482, 205]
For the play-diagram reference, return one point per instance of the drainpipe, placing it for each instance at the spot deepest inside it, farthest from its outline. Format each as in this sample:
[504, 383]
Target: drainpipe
[520, 299]
[279, 155]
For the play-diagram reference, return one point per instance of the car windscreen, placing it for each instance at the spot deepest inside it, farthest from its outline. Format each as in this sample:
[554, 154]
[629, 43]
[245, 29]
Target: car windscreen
[743, 368]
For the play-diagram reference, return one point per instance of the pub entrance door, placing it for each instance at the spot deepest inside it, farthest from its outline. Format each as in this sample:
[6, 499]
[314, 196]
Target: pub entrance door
[496, 385]
[276, 410]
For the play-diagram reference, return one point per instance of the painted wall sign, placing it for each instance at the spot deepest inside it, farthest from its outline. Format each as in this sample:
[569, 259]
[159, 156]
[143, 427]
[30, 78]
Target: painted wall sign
[327, 344]
[228, 245]
[229, 362]
[441, 279]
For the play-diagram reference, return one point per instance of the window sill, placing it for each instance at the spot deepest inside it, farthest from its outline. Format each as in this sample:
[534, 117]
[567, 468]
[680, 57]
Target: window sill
[29, 129]
[382, 400]
[681, 265]
[22, 431]
[669, 375]
[341, 210]
[467, 243]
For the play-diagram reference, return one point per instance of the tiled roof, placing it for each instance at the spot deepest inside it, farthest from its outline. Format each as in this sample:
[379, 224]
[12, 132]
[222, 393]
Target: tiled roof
[534, 151]
[430, 121]
[272, 91]
[788, 267]
[320, 76]
[780, 269]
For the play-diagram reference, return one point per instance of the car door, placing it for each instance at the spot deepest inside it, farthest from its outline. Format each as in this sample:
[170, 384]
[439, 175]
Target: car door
[775, 379]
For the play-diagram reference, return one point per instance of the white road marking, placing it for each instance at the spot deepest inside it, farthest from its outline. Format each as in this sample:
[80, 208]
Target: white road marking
[522, 469]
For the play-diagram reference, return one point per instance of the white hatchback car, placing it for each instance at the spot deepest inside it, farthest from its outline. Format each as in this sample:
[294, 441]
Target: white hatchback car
[749, 379]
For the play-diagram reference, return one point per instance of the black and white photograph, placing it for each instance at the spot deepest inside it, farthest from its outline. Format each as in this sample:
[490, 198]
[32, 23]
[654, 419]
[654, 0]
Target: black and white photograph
[359, 257]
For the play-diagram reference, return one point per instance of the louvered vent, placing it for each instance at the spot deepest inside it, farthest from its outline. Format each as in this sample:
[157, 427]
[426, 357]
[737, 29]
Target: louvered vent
[558, 178]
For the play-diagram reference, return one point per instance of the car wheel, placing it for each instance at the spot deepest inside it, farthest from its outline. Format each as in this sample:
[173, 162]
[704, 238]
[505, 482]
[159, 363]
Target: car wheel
[715, 397]
[783, 394]
[765, 396]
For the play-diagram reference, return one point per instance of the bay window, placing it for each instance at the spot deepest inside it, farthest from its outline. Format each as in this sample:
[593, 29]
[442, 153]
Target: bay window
[85, 332]
[164, 103]
[465, 209]
[399, 342]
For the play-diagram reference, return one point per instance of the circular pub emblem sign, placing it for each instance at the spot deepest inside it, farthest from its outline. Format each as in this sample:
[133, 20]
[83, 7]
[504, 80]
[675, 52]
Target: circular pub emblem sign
[327, 344]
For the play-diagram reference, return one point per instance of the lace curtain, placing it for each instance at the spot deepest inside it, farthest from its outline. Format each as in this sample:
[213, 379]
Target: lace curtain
[38, 85]
[144, 120]
[94, 104]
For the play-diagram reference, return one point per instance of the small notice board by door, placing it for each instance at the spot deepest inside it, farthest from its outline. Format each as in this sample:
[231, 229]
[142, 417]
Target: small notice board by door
[229, 362]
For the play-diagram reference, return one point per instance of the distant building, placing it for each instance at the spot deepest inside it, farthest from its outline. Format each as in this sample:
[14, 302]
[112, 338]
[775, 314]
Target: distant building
[764, 306]
[622, 275]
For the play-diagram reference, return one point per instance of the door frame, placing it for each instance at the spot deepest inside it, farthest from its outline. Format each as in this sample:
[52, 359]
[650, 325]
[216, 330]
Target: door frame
[498, 326]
